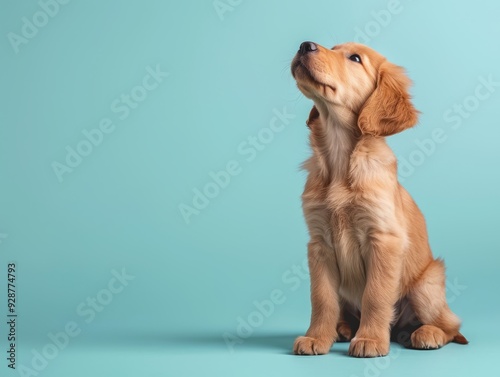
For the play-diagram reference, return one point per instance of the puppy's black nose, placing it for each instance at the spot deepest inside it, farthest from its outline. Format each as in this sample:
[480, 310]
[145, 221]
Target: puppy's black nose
[307, 47]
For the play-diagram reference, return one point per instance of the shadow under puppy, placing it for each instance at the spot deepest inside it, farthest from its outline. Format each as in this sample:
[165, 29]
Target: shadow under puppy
[372, 270]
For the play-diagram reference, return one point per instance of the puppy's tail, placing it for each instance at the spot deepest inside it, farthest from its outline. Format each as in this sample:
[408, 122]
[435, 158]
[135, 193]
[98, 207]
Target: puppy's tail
[460, 339]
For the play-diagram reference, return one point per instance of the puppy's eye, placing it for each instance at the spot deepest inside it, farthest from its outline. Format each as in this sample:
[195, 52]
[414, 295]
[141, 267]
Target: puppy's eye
[355, 58]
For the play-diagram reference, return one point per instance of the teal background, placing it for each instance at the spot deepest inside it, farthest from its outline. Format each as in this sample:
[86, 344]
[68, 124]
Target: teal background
[120, 207]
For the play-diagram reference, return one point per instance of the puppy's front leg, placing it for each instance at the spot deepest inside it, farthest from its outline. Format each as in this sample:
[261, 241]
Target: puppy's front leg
[325, 303]
[383, 272]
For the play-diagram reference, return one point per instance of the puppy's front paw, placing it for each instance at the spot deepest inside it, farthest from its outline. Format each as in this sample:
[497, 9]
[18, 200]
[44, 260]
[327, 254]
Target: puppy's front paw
[363, 347]
[305, 345]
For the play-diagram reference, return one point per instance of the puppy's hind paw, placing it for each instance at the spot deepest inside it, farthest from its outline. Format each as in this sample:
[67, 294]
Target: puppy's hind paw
[428, 337]
[344, 332]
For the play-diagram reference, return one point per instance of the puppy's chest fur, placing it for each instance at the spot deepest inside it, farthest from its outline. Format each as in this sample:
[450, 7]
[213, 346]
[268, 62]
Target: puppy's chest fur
[346, 206]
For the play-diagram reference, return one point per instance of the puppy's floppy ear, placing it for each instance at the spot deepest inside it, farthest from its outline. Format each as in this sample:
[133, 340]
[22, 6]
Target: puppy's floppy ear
[389, 109]
[313, 115]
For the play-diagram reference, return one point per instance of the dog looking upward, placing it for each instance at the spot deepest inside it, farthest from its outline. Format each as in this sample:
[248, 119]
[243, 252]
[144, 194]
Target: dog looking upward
[372, 270]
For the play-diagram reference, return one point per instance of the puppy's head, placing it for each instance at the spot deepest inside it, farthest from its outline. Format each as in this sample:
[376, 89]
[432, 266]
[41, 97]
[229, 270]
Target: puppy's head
[354, 77]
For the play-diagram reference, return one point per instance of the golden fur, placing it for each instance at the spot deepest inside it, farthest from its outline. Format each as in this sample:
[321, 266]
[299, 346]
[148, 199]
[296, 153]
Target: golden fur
[371, 267]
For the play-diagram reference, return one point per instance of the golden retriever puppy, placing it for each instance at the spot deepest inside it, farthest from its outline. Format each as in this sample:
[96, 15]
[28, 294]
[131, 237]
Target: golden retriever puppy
[372, 270]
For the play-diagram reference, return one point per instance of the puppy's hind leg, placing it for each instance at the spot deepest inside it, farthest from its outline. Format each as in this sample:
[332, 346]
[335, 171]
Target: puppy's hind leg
[348, 323]
[428, 299]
